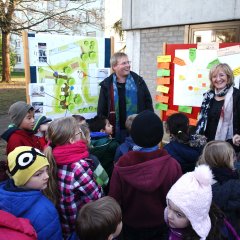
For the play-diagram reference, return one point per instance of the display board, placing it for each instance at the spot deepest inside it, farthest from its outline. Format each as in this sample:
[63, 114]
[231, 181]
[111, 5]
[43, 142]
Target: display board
[64, 73]
[183, 75]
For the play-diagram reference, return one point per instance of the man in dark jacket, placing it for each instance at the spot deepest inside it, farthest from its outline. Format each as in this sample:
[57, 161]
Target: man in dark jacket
[122, 93]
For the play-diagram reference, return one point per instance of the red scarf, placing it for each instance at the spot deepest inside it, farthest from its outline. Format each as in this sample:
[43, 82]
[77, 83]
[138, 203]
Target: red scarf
[70, 153]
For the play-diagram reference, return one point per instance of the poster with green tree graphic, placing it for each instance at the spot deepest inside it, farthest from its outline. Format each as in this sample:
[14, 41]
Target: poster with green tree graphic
[65, 73]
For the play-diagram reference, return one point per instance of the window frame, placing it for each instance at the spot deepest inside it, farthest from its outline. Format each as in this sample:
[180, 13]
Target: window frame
[190, 29]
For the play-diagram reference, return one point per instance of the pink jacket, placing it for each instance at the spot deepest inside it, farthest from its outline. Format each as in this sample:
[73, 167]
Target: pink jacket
[12, 227]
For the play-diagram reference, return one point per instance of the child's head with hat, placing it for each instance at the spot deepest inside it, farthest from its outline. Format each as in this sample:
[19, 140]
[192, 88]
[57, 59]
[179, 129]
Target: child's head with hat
[28, 168]
[189, 201]
[41, 124]
[22, 115]
[147, 129]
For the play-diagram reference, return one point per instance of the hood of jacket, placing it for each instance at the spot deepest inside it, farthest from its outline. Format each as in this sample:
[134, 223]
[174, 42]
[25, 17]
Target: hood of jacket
[16, 200]
[33, 205]
[15, 228]
[127, 145]
[100, 141]
[183, 152]
[142, 169]
[96, 135]
[7, 134]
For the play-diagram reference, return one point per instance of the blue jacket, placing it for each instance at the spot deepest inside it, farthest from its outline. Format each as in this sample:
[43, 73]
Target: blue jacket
[186, 156]
[226, 194]
[124, 148]
[33, 205]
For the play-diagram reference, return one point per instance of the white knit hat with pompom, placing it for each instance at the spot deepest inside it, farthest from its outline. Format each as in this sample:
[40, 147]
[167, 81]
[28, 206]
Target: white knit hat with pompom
[192, 193]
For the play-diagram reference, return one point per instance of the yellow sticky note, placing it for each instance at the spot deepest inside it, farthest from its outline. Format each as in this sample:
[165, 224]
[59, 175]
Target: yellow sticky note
[236, 71]
[164, 58]
[182, 77]
[162, 89]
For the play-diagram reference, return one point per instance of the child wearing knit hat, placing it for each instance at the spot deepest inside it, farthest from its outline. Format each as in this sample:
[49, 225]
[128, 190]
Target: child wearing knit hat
[141, 180]
[190, 213]
[20, 131]
[21, 195]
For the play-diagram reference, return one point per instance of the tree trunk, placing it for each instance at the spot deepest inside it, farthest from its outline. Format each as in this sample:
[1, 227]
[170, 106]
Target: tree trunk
[6, 76]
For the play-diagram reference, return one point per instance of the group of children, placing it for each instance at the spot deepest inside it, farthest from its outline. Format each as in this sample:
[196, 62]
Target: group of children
[70, 179]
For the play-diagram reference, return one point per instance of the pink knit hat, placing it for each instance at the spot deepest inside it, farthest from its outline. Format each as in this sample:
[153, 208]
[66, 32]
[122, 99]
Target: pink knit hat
[192, 193]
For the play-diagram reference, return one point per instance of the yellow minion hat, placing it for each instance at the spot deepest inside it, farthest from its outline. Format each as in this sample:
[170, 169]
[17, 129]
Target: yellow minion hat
[23, 162]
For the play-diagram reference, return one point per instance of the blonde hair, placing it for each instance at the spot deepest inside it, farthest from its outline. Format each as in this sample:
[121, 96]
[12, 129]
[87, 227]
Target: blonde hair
[85, 132]
[59, 132]
[128, 123]
[217, 154]
[226, 69]
[115, 57]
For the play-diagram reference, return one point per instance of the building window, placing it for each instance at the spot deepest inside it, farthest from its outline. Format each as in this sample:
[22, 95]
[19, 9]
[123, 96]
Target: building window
[91, 34]
[214, 32]
[17, 43]
[18, 58]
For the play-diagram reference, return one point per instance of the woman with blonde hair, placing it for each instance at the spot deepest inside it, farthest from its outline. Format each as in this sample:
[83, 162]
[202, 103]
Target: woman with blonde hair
[220, 157]
[219, 117]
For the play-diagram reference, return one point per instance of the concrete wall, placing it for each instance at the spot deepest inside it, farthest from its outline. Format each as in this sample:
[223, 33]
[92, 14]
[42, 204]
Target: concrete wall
[155, 13]
[143, 47]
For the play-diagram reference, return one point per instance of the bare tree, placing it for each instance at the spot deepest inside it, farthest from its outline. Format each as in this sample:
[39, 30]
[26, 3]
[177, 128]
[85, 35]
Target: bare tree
[63, 16]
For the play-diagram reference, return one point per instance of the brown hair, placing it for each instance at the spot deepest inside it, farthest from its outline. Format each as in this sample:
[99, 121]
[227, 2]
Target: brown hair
[99, 219]
[226, 69]
[217, 154]
[86, 132]
[80, 119]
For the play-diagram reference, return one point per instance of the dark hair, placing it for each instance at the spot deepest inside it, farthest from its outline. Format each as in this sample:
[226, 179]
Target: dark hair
[97, 123]
[178, 125]
[217, 222]
[99, 219]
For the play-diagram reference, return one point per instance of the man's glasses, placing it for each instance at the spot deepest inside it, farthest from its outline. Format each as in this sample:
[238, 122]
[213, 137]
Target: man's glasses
[125, 63]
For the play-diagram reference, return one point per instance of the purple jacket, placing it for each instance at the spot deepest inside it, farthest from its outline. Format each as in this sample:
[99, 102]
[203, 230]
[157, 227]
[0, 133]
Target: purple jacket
[140, 182]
